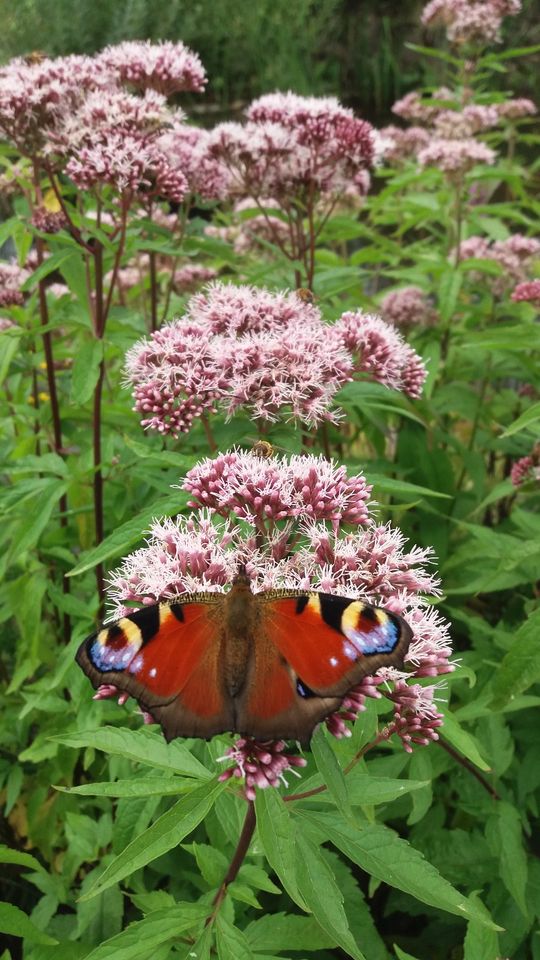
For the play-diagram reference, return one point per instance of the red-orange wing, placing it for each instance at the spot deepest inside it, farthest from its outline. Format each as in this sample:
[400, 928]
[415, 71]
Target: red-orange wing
[166, 656]
[309, 652]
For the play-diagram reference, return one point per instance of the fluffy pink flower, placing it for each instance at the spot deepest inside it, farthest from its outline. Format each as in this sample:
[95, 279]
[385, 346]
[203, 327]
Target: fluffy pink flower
[48, 221]
[293, 145]
[109, 112]
[34, 98]
[470, 21]
[380, 351]
[528, 291]
[191, 276]
[413, 106]
[464, 123]
[255, 489]
[166, 67]
[455, 157]
[124, 163]
[401, 144]
[186, 149]
[238, 347]
[260, 764]
[304, 526]
[514, 256]
[516, 109]
[526, 468]
[12, 277]
[408, 307]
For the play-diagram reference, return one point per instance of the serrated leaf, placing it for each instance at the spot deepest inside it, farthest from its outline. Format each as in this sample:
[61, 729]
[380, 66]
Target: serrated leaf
[520, 667]
[231, 943]
[7, 855]
[481, 943]
[331, 772]
[132, 531]
[16, 923]
[319, 889]
[140, 787]
[280, 931]
[385, 856]
[277, 835]
[85, 373]
[141, 746]
[505, 832]
[27, 531]
[140, 939]
[402, 487]
[164, 834]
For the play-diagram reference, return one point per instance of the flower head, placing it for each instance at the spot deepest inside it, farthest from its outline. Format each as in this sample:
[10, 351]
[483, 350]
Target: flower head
[528, 291]
[407, 308]
[12, 277]
[380, 351]
[455, 157]
[168, 67]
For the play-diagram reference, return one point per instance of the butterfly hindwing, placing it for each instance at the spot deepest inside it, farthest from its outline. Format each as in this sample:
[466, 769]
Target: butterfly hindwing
[166, 656]
[311, 650]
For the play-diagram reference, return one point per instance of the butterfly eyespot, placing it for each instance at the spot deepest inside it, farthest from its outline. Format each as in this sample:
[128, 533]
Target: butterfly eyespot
[304, 690]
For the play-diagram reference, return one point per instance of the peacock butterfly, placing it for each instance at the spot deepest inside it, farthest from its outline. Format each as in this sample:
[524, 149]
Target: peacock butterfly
[268, 665]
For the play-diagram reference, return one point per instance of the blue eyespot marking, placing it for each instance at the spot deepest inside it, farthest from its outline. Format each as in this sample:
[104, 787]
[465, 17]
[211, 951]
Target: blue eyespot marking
[381, 639]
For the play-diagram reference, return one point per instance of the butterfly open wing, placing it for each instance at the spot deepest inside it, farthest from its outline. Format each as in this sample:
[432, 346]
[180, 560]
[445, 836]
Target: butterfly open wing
[166, 656]
[313, 649]
[270, 665]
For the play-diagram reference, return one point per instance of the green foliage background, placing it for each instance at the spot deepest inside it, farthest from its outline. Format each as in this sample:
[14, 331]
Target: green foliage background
[114, 842]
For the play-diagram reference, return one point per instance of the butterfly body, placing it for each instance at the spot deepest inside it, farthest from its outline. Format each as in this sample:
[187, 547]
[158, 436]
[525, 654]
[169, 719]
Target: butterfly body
[269, 665]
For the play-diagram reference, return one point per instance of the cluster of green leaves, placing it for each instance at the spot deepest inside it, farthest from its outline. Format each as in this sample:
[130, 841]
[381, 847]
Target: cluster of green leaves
[117, 843]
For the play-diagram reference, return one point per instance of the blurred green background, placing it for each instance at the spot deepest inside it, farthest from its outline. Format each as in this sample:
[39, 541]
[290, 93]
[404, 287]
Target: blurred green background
[352, 48]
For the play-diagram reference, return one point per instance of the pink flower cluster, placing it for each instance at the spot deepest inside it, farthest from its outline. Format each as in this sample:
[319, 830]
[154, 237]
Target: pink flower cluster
[455, 157]
[513, 255]
[526, 468]
[76, 112]
[380, 351]
[403, 144]
[166, 67]
[407, 308]
[261, 765]
[268, 353]
[470, 21]
[12, 277]
[306, 526]
[244, 348]
[528, 292]
[294, 147]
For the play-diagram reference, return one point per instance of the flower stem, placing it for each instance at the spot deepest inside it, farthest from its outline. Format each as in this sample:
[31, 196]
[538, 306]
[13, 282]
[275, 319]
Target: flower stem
[469, 766]
[242, 848]
[153, 292]
[209, 435]
[99, 325]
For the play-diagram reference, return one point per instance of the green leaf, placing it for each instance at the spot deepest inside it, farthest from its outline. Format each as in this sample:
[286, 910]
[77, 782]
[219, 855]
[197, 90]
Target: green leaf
[141, 746]
[527, 418]
[164, 834]
[481, 942]
[16, 923]
[323, 896]
[331, 772]
[520, 667]
[27, 531]
[139, 787]
[505, 834]
[449, 288]
[139, 940]
[401, 955]
[231, 943]
[132, 531]
[86, 368]
[278, 838]
[384, 855]
[54, 262]
[279, 931]
[402, 487]
[7, 855]
[461, 739]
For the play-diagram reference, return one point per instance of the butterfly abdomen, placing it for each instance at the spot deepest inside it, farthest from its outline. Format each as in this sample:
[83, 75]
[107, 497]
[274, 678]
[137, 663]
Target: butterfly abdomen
[239, 626]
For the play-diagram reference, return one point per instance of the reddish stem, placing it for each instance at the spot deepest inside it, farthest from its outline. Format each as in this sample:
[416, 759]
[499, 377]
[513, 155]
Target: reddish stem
[153, 292]
[96, 418]
[242, 848]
